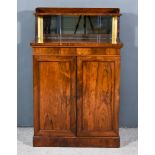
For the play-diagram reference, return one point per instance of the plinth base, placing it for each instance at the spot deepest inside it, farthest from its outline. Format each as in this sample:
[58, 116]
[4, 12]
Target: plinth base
[109, 142]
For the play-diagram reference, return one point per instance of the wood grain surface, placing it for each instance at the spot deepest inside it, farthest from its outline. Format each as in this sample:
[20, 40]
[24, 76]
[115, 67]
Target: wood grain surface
[56, 95]
[96, 95]
[76, 96]
[77, 11]
[76, 51]
[108, 142]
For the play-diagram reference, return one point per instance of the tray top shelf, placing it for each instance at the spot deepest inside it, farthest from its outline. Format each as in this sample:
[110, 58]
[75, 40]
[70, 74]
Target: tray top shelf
[42, 11]
[69, 26]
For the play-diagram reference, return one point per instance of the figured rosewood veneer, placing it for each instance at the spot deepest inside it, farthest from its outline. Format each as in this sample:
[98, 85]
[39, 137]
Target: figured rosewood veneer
[76, 88]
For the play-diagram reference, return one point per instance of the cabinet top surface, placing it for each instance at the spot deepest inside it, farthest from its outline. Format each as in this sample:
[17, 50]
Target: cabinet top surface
[76, 44]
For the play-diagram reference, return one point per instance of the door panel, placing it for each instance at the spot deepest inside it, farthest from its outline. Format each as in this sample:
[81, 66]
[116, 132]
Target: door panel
[98, 96]
[56, 77]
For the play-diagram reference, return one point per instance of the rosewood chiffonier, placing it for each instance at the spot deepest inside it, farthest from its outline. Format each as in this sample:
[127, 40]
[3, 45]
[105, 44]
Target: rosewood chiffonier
[76, 77]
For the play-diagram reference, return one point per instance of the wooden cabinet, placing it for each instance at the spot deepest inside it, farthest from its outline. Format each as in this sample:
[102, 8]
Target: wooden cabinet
[76, 96]
[76, 77]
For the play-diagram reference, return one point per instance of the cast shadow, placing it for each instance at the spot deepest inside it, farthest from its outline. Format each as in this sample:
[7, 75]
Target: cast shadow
[25, 136]
[128, 138]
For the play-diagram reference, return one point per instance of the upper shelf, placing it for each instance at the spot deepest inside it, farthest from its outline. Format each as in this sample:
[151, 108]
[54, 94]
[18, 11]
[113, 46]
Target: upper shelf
[77, 26]
[78, 11]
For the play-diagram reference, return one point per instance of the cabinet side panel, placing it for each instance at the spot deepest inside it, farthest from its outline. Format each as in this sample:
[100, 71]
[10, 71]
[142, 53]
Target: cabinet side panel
[36, 95]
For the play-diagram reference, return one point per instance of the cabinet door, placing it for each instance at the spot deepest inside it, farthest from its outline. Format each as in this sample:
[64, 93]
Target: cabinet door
[54, 95]
[98, 95]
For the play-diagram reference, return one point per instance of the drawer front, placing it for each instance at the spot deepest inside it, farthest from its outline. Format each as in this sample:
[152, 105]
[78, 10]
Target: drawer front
[54, 51]
[75, 51]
